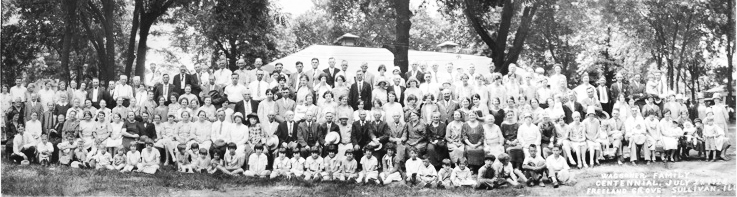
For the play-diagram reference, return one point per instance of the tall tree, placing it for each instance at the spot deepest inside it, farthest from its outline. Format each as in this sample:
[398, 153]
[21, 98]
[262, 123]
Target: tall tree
[101, 17]
[148, 12]
[505, 49]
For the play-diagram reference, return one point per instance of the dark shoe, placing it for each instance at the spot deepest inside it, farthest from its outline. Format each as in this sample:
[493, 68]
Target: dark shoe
[555, 185]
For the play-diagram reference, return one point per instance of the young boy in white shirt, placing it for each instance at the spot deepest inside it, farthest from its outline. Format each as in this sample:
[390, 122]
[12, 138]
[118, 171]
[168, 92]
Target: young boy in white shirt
[201, 162]
[558, 168]
[427, 173]
[44, 149]
[348, 167]
[369, 166]
[313, 165]
[445, 175]
[331, 166]
[412, 166]
[461, 175]
[104, 159]
[257, 163]
[391, 171]
[534, 167]
[297, 164]
[281, 165]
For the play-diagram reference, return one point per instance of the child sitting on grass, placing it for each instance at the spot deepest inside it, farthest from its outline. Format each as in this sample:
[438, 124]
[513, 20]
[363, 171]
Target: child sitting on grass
[215, 163]
[281, 165]
[444, 175]
[461, 175]
[119, 159]
[150, 158]
[132, 158]
[506, 173]
[534, 168]
[348, 167]
[81, 159]
[313, 165]
[297, 164]
[103, 159]
[257, 163]
[233, 161]
[369, 166]
[412, 167]
[182, 157]
[44, 150]
[331, 166]
[487, 177]
[391, 171]
[428, 175]
[558, 168]
[66, 150]
[201, 163]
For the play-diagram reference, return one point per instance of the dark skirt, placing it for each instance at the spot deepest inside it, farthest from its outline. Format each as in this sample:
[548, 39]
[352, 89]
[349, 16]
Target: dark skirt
[475, 156]
[436, 153]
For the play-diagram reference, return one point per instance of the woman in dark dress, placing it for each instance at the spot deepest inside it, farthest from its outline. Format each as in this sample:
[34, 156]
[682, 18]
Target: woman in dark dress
[55, 134]
[473, 137]
[436, 148]
[131, 129]
[511, 144]
[497, 111]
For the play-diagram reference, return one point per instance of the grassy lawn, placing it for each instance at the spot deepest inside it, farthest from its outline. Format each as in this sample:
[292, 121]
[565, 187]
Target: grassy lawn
[35, 180]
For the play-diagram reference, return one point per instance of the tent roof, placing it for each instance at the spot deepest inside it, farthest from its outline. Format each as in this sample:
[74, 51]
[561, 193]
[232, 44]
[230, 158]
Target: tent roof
[375, 57]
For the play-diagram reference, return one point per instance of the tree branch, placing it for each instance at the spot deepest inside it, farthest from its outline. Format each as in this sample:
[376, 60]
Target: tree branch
[519, 38]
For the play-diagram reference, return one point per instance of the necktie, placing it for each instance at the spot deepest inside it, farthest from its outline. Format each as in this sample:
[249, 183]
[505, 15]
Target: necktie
[258, 89]
[221, 129]
[182, 82]
[359, 89]
[289, 127]
[166, 91]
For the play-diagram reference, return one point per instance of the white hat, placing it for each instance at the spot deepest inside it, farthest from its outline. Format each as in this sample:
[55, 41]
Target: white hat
[679, 96]
[590, 110]
[332, 138]
[716, 96]
[272, 141]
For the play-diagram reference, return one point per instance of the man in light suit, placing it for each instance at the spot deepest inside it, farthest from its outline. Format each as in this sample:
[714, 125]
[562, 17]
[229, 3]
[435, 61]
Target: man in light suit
[331, 71]
[314, 74]
[447, 106]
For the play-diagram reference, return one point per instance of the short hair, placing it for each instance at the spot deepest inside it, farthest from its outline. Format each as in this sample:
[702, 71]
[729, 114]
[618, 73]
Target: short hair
[298, 63]
[315, 59]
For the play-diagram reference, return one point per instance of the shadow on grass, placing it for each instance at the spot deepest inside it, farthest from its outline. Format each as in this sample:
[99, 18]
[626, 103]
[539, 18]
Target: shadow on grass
[35, 180]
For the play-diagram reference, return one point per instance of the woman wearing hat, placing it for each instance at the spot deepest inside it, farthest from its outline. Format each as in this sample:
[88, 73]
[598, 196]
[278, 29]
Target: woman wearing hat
[238, 134]
[721, 116]
[379, 92]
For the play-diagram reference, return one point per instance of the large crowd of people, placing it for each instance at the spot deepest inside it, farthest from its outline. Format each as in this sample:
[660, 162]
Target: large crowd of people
[425, 127]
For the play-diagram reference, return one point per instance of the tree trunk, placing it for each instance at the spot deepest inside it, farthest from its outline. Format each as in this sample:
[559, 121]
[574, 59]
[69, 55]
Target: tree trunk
[401, 44]
[130, 53]
[66, 48]
[108, 68]
[730, 49]
[233, 55]
[146, 21]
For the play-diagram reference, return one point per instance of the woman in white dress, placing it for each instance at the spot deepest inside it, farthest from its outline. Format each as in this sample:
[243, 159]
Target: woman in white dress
[86, 128]
[493, 138]
[454, 136]
[165, 138]
[116, 135]
[321, 87]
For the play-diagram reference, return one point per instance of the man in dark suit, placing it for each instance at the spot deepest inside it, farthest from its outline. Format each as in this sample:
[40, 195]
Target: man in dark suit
[164, 89]
[182, 79]
[618, 88]
[97, 93]
[329, 125]
[309, 135]
[637, 91]
[415, 73]
[247, 105]
[331, 71]
[398, 89]
[571, 106]
[361, 90]
[605, 98]
[287, 132]
[360, 134]
[447, 106]
[379, 134]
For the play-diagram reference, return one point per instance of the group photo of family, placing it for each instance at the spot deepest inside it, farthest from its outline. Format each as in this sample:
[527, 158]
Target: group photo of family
[280, 105]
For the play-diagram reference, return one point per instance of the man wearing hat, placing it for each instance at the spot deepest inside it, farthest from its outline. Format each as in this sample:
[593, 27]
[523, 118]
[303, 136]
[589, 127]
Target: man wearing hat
[345, 130]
